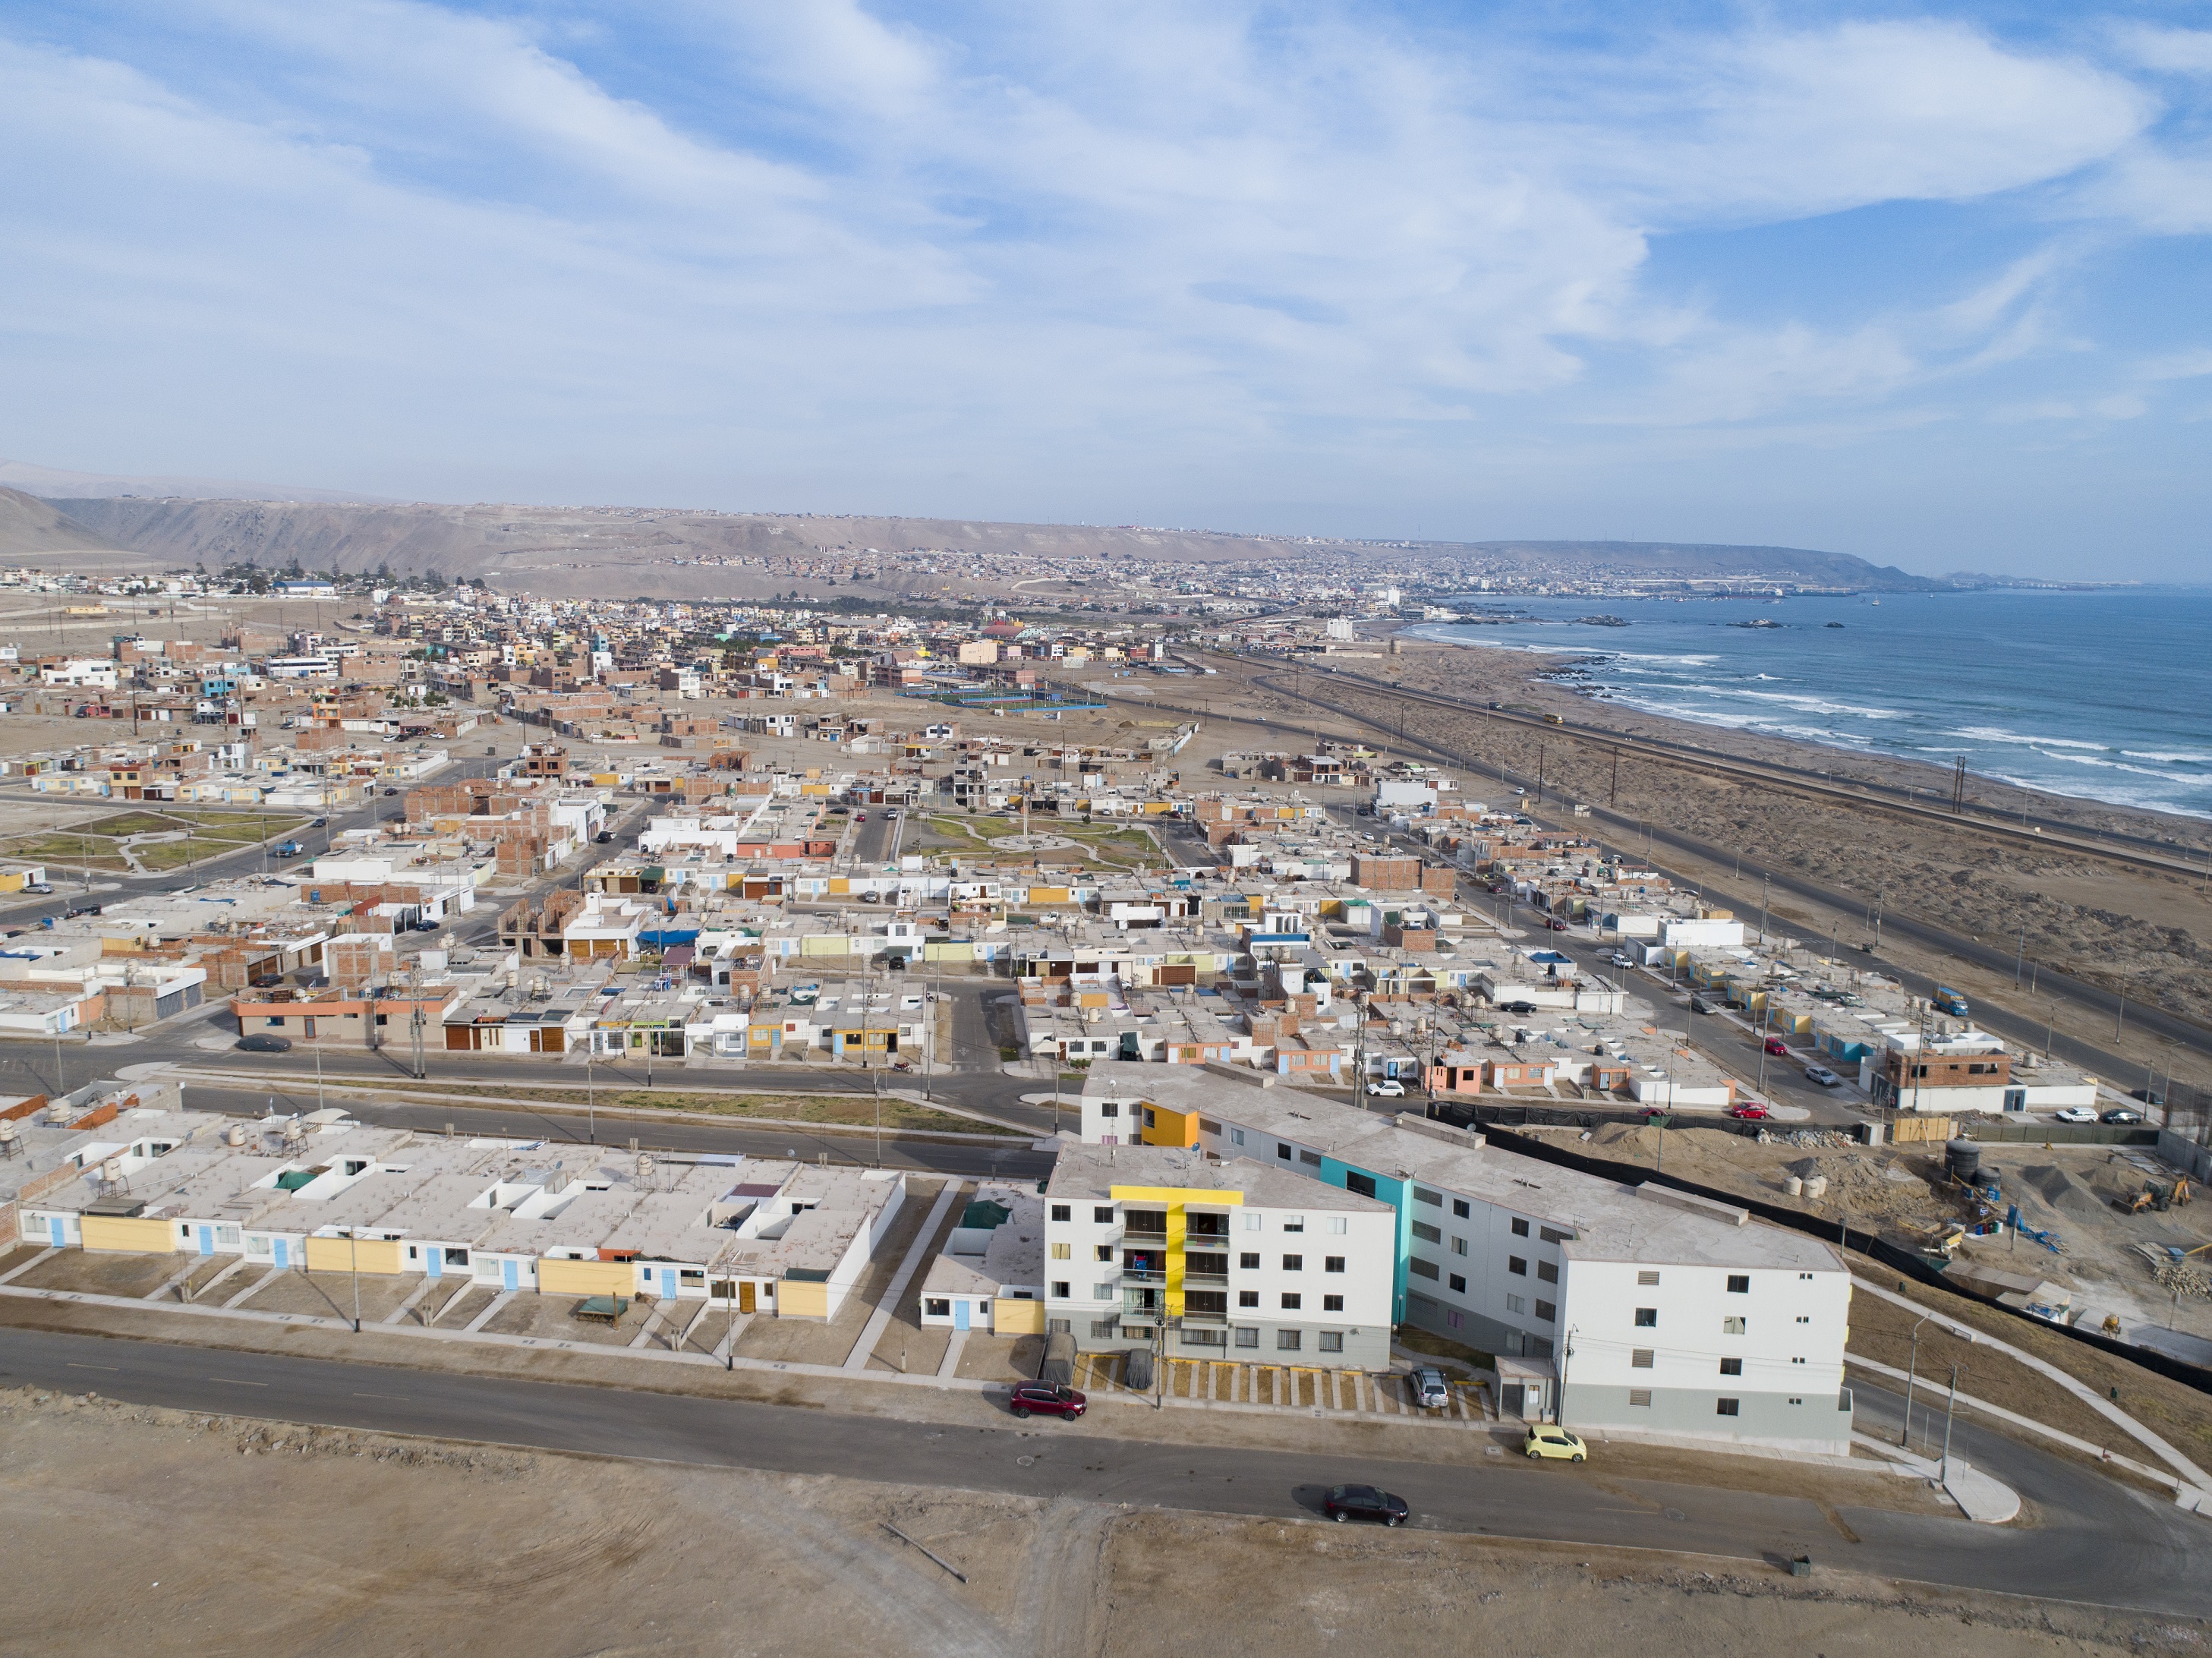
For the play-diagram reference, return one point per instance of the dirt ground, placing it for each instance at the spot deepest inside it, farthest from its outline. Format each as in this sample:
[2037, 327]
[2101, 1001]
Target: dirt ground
[130, 1528]
[2073, 1192]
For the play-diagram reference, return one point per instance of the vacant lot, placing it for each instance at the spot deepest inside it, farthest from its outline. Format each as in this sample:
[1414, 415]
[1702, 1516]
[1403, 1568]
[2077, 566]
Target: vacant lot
[132, 1529]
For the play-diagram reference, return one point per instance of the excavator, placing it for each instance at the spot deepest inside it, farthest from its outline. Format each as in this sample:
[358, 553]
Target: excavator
[2158, 1196]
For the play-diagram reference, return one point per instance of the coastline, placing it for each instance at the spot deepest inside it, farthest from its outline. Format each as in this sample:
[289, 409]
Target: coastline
[1545, 677]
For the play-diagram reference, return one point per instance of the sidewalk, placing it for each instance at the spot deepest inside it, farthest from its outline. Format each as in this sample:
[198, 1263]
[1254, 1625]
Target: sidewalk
[1984, 1501]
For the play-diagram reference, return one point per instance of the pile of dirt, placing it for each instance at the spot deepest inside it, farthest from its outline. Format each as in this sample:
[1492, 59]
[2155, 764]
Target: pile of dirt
[1628, 1139]
[2067, 1193]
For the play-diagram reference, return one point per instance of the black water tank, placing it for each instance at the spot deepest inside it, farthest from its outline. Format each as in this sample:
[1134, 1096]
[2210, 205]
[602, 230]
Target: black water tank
[1962, 1159]
[1139, 1375]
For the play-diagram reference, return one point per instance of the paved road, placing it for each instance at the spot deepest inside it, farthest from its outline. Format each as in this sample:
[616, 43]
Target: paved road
[972, 1160]
[876, 843]
[2096, 1542]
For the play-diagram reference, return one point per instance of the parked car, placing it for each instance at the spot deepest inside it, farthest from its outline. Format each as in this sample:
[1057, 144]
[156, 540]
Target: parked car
[1822, 1075]
[1750, 1111]
[1388, 1089]
[604, 837]
[1621, 958]
[261, 1042]
[2147, 1095]
[2121, 1114]
[388, 793]
[1048, 1398]
[1345, 1502]
[42, 889]
[1430, 1391]
[267, 982]
[2075, 1114]
[77, 910]
[1776, 1045]
[872, 897]
[1547, 1441]
[859, 817]
[1699, 1005]
[1516, 1007]
[426, 926]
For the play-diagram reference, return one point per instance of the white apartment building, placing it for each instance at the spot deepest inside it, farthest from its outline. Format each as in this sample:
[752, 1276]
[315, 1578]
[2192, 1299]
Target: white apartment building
[1542, 1264]
[1149, 1245]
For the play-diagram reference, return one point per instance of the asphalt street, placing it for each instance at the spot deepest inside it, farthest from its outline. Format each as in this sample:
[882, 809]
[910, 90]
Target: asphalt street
[2092, 1541]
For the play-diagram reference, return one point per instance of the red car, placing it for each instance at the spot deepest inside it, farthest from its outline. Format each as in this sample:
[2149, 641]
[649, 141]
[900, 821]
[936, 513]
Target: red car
[1750, 1111]
[1556, 924]
[1043, 1398]
[1776, 1045]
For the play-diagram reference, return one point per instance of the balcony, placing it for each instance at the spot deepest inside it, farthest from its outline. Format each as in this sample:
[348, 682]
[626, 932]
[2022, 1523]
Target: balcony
[1207, 1319]
[1207, 1280]
[1143, 1274]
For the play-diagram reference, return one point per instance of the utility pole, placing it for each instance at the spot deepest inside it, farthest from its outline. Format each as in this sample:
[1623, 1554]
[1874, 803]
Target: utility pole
[1612, 794]
[590, 1100]
[1950, 1406]
[1911, 1375]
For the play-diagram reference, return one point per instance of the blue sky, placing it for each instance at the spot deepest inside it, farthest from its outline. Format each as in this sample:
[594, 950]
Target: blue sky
[1928, 286]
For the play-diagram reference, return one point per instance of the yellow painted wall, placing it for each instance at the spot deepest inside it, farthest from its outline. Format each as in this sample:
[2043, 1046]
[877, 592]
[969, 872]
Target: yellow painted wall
[587, 1277]
[350, 1254]
[1017, 1318]
[949, 949]
[144, 1237]
[1178, 1233]
[1170, 1128]
[796, 1298]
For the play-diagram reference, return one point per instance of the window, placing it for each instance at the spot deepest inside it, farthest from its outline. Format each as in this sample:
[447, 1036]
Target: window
[1456, 1321]
[1109, 1109]
[1640, 1398]
[1422, 1268]
[1647, 1278]
[939, 1306]
[1552, 1235]
[1236, 1137]
[1060, 1252]
[1548, 1270]
[278, 1022]
[1291, 1301]
[1516, 1304]
[1252, 1221]
[1517, 1266]
[1248, 1298]
[1294, 1222]
[1797, 1361]
[1422, 1195]
[1458, 1285]
[226, 1237]
[1728, 1407]
[1732, 1326]
[1797, 1401]
[1059, 1289]
[1802, 1320]
[1641, 1358]
[1426, 1233]
[1102, 1214]
[1062, 1211]
[1460, 1208]
[1206, 1127]
[1804, 1277]
[1332, 1341]
[1338, 1226]
[1101, 1293]
[1102, 1252]
[1356, 1181]
[1459, 1246]
[1060, 1327]
[1284, 1152]
[1150, 1121]
[1203, 1338]
[1739, 1284]
[1102, 1329]
[1294, 1263]
[1248, 1338]
[1332, 1263]
[257, 1246]
[456, 1257]
[1332, 1303]
[1547, 1312]
[1249, 1261]
[1647, 1318]
[1520, 1227]
[1731, 1367]
[1311, 1159]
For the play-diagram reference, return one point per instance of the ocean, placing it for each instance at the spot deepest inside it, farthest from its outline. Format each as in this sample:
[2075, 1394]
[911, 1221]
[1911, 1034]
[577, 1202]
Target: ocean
[2103, 695]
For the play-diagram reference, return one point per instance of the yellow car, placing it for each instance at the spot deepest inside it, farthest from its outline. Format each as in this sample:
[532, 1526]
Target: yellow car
[1545, 1440]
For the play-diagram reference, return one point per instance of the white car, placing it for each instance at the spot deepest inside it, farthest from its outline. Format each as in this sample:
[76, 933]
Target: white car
[1822, 1075]
[2075, 1114]
[1621, 958]
[1388, 1089]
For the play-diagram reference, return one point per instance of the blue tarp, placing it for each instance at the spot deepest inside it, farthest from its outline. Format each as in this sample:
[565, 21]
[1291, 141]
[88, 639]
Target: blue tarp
[665, 936]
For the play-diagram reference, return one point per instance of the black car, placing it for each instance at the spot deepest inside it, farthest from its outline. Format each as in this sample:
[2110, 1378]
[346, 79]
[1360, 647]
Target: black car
[262, 1043]
[318, 822]
[604, 837]
[2120, 1114]
[1699, 1005]
[1345, 1502]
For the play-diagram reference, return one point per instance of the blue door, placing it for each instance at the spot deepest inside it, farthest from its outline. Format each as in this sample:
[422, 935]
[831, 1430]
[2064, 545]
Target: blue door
[283, 1252]
[506, 1279]
[668, 1284]
[436, 1258]
[60, 1230]
[207, 1240]
[959, 1314]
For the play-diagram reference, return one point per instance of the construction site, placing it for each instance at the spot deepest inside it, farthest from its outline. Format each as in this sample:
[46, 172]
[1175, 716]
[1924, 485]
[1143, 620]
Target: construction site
[2105, 1237]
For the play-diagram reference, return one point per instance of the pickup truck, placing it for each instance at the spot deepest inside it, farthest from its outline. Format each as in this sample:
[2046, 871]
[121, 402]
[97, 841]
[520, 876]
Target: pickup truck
[1950, 1001]
[290, 849]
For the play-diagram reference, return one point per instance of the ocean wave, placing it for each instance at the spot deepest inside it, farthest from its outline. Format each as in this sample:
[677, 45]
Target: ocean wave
[1819, 704]
[2177, 757]
[2115, 794]
[1999, 734]
[2120, 765]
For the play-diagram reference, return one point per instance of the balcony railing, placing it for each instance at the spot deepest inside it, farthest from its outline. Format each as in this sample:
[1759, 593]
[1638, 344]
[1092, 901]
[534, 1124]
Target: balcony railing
[1144, 1275]
[1207, 1280]
[1210, 1319]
